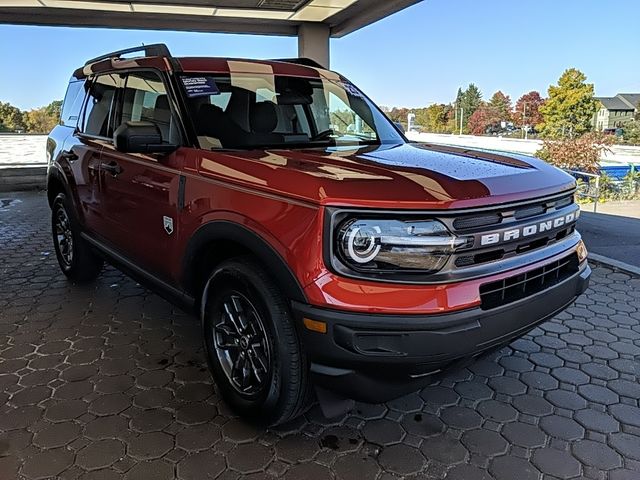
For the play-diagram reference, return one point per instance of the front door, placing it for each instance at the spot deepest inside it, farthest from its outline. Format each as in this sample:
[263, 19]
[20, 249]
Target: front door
[140, 191]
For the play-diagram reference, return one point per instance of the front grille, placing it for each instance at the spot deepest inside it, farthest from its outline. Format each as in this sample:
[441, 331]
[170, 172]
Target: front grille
[514, 288]
[529, 212]
[480, 223]
[497, 218]
[476, 221]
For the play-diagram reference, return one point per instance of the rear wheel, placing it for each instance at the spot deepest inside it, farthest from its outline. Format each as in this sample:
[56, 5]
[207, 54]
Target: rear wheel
[252, 346]
[75, 257]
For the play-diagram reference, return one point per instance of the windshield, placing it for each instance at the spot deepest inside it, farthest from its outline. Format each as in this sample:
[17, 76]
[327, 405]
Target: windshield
[252, 111]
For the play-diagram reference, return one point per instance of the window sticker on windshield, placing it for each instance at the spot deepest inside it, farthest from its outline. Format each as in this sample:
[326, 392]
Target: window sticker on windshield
[351, 89]
[200, 86]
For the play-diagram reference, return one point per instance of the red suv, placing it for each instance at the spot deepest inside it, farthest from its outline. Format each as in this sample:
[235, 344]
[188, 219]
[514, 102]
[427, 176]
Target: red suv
[319, 246]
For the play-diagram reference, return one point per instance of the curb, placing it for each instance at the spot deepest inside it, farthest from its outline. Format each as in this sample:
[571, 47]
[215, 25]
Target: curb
[23, 178]
[615, 264]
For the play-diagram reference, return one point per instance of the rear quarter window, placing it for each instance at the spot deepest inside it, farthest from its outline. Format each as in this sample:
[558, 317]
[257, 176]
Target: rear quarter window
[72, 104]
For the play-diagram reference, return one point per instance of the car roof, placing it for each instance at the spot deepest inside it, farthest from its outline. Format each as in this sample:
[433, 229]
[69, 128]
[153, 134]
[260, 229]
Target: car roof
[209, 65]
[243, 65]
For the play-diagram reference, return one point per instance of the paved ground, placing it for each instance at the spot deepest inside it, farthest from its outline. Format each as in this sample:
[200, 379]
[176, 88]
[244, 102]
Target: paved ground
[614, 231]
[109, 381]
[622, 208]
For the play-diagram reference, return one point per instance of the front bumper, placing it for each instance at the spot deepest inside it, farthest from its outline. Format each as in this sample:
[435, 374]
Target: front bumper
[375, 358]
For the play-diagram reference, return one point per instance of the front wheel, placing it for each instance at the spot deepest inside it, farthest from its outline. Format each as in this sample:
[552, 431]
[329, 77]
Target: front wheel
[251, 343]
[75, 257]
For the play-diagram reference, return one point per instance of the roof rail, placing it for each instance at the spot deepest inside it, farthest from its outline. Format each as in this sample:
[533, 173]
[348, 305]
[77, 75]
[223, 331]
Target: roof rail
[307, 62]
[154, 50]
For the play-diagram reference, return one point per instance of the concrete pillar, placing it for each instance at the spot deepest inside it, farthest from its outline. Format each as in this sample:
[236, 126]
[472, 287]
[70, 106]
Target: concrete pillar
[313, 42]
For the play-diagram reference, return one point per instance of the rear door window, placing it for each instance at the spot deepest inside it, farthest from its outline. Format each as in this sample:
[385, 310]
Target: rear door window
[72, 104]
[99, 106]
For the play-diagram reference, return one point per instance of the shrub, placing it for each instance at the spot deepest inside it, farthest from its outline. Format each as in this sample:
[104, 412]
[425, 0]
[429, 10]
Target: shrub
[582, 153]
[631, 133]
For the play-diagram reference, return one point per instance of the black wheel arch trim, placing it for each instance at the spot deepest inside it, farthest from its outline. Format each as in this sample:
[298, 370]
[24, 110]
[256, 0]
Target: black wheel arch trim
[224, 230]
[55, 174]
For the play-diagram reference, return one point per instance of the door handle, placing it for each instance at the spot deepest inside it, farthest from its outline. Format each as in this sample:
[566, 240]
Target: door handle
[69, 155]
[112, 167]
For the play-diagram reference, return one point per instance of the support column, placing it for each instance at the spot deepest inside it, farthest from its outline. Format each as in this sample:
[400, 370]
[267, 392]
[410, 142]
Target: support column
[313, 42]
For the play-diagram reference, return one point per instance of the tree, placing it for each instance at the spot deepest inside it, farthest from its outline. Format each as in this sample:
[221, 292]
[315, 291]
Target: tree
[631, 132]
[527, 110]
[43, 119]
[11, 118]
[470, 101]
[459, 96]
[501, 103]
[399, 115]
[570, 108]
[478, 121]
[53, 109]
[433, 118]
[485, 118]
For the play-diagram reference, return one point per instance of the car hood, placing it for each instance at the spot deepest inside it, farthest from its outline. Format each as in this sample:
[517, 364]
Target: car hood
[415, 176]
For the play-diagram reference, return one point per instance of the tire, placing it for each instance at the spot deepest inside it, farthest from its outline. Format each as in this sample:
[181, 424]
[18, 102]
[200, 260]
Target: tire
[75, 256]
[242, 301]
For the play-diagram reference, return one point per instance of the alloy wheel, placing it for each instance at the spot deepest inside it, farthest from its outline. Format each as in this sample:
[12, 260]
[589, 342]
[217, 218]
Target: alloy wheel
[64, 235]
[241, 344]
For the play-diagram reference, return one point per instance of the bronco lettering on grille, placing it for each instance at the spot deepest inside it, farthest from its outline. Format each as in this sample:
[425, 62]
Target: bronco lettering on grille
[528, 230]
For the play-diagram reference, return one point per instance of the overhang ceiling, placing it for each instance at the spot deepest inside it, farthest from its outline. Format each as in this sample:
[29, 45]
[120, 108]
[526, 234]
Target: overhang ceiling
[273, 17]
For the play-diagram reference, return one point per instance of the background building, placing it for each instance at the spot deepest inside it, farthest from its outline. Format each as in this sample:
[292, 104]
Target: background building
[615, 111]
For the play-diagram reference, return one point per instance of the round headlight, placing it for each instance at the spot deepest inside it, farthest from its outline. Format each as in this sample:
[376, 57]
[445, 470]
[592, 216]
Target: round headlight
[363, 243]
[395, 245]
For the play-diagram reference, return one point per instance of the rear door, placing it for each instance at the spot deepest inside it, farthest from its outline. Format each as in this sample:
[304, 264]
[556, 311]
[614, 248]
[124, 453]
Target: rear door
[140, 191]
[82, 150]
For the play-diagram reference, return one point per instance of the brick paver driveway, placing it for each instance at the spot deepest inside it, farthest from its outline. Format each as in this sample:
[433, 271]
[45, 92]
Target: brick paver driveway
[108, 381]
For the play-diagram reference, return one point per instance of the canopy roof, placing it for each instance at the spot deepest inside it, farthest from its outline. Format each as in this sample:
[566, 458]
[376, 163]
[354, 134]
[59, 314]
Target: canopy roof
[271, 17]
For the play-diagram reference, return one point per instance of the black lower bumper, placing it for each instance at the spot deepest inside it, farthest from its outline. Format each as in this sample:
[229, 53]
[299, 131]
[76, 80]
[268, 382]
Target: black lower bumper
[375, 358]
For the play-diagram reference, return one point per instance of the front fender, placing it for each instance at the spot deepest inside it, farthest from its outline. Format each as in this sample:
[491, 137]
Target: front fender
[223, 230]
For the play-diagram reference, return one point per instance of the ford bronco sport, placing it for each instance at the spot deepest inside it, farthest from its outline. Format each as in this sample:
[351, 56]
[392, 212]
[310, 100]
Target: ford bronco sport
[318, 245]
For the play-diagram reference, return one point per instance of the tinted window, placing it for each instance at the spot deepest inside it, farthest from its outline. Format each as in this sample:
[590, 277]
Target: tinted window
[97, 118]
[72, 104]
[145, 99]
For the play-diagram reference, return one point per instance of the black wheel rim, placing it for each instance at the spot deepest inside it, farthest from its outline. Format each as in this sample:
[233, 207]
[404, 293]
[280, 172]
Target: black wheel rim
[241, 344]
[64, 236]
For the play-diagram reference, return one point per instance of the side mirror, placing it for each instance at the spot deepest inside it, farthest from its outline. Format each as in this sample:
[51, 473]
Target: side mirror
[399, 126]
[140, 137]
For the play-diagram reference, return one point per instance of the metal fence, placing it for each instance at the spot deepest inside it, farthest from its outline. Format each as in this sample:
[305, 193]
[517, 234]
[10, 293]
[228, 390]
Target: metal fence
[588, 186]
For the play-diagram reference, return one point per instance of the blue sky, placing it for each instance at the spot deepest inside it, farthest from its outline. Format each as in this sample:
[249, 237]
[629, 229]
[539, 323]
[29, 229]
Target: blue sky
[416, 57]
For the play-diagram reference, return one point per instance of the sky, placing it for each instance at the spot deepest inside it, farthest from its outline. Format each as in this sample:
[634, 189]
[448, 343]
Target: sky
[413, 58]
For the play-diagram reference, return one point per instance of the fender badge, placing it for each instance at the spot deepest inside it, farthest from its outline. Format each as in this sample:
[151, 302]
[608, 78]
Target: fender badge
[168, 224]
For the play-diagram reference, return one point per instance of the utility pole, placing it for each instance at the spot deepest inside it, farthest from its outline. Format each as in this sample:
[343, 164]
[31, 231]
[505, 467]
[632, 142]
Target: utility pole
[461, 117]
[524, 120]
